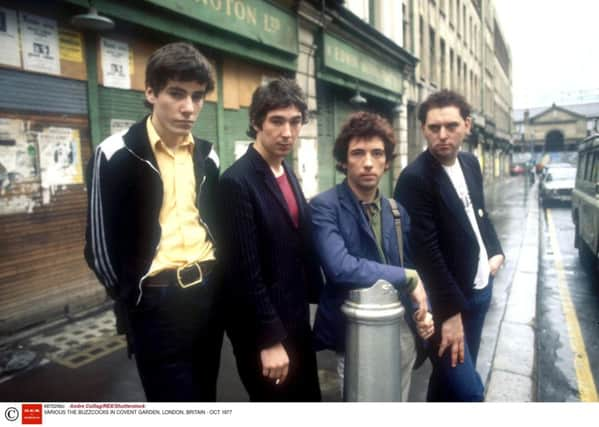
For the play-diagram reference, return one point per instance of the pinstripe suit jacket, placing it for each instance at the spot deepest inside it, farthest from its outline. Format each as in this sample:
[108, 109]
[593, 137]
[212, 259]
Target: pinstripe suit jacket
[270, 266]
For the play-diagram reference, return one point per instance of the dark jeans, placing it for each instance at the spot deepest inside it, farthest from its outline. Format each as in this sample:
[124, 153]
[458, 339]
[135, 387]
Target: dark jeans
[301, 384]
[177, 338]
[462, 383]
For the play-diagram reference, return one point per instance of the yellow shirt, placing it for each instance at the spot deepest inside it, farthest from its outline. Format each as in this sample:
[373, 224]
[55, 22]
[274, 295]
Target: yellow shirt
[184, 238]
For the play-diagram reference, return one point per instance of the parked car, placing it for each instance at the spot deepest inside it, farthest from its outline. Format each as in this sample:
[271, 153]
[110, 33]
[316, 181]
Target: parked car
[517, 169]
[550, 166]
[585, 204]
[557, 183]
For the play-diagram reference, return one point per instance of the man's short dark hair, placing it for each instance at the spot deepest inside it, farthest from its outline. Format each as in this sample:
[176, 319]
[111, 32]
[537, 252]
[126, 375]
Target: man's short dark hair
[276, 94]
[363, 125]
[180, 62]
[444, 98]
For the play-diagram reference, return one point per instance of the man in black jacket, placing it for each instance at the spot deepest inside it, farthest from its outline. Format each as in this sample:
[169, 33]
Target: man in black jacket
[151, 196]
[268, 254]
[455, 246]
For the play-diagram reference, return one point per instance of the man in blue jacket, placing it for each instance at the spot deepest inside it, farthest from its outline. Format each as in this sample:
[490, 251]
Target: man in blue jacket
[356, 239]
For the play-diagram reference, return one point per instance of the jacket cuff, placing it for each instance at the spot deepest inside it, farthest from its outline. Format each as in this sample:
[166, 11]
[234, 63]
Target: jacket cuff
[269, 334]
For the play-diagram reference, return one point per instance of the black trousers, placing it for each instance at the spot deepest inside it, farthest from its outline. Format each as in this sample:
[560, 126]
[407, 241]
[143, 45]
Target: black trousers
[301, 384]
[177, 340]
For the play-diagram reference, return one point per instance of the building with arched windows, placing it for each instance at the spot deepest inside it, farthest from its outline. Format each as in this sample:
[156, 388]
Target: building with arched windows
[553, 132]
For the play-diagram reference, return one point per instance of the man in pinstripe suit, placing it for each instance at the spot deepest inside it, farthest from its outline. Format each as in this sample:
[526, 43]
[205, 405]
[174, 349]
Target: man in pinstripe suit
[267, 249]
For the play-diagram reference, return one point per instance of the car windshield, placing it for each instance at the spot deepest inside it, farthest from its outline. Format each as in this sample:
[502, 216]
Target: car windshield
[562, 174]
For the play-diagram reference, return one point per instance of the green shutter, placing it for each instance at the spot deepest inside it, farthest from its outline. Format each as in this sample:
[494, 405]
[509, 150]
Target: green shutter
[236, 125]
[119, 104]
[326, 138]
[205, 126]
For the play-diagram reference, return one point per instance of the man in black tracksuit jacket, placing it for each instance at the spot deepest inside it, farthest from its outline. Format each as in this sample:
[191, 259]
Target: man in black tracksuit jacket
[148, 238]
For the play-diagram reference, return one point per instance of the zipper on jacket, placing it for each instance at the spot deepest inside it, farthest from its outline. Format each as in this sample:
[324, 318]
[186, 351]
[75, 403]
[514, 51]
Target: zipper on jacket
[199, 215]
[139, 287]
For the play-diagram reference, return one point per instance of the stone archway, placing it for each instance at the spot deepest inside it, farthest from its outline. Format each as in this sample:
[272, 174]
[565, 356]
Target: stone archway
[554, 141]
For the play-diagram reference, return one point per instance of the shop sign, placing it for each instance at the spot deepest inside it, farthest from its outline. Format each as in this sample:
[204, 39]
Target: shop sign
[252, 19]
[357, 64]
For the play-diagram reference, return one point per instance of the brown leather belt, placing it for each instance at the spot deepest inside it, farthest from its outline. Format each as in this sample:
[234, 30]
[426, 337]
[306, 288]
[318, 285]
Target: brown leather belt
[183, 277]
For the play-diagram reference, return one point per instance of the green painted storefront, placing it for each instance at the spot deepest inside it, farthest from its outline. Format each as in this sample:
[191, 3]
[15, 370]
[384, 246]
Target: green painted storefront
[342, 69]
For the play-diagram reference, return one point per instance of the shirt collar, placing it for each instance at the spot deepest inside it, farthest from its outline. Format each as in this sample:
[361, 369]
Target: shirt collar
[372, 208]
[155, 138]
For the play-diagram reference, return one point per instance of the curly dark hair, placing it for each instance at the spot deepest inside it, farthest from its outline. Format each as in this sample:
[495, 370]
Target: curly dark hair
[444, 98]
[363, 125]
[177, 61]
[278, 93]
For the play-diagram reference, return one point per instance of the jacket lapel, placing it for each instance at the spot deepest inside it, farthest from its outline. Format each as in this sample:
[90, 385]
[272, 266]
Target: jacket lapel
[270, 181]
[470, 177]
[137, 140]
[297, 192]
[450, 196]
[388, 225]
[351, 205]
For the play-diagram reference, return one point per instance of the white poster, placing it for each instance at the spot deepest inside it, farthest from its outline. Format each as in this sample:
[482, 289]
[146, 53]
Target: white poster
[18, 167]
[39, 44]
[307, 159]
[119, 125]
[9, 38]
[115, 64]
[60, 157]
[240, 148]
[17, 156]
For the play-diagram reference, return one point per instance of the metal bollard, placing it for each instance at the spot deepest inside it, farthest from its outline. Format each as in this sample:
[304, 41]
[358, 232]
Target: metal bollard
[372, 356]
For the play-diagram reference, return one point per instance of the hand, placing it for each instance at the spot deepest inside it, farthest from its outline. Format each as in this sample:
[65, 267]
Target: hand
[426, 326]
[495, 262]
[418, 294]
[452, 337]
[275, 363]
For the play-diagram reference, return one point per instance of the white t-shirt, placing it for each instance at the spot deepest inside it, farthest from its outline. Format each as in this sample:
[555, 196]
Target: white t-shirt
[456, 176]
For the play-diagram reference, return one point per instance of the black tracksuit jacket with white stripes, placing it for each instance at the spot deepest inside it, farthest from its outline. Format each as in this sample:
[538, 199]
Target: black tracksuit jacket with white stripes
[125, 193]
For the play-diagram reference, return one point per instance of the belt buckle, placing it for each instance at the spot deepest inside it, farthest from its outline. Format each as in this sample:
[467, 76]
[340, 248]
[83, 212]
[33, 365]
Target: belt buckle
[195, 282]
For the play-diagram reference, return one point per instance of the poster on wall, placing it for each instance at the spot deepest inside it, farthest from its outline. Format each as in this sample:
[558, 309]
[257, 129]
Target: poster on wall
[240, 148]
[39, 43]
[71, 45]
[19, 175]
[120, 125]
[60, 157]
[10, 53]
[307, 159]
[115, 63]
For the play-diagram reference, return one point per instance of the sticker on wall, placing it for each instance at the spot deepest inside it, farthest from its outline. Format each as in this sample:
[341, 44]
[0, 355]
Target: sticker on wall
[39, 43]
[115, 63]
[19, 175]
[71, 45]
[307, 159]
[240, 148]
[60, 157]
[10, 54]
[119, 125]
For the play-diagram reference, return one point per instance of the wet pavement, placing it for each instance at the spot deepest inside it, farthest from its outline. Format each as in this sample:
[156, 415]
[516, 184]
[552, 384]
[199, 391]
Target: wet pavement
[568, 299]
